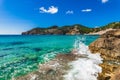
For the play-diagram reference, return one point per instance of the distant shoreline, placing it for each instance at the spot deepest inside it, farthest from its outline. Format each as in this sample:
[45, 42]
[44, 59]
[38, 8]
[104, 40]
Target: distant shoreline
[76, 29]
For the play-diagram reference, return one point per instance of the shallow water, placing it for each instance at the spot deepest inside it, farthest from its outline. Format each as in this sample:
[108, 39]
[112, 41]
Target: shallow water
[21, 54]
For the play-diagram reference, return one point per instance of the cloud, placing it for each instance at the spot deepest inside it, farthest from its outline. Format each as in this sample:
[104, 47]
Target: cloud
[69, 12]
[86, 10]
[51, 10]
[104, 1]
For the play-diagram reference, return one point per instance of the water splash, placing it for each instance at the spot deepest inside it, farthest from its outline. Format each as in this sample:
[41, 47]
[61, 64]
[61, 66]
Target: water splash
[85, 68]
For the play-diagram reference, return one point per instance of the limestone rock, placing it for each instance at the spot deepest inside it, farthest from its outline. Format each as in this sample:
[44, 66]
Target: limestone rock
[108, 45]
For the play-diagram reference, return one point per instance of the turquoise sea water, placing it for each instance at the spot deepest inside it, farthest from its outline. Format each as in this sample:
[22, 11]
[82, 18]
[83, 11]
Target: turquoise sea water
[22, 54]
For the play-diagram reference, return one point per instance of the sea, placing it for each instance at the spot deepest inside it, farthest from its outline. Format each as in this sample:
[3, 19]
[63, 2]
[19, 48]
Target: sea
[21, 54]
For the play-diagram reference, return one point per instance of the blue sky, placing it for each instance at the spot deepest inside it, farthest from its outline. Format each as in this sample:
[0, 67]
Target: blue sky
[17, 16]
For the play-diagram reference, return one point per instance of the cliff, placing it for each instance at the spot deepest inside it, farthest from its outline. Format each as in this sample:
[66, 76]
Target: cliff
[55, 30]
[108, 45]
[72, 30]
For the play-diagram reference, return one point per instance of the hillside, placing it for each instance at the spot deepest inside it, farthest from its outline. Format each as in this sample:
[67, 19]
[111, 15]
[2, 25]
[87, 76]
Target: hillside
[114, 25]
[71, 30]
[64, 30]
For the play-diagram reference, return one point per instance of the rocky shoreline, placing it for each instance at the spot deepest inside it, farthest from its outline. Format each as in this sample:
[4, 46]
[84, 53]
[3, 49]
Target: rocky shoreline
[52, 70]
[60, 69]
[108, 45]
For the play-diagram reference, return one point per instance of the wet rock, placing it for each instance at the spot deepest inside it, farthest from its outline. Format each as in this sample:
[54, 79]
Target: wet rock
[51, 70]
[108, 45]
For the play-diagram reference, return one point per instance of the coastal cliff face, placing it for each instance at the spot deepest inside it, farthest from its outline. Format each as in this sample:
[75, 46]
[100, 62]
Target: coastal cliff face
[73, 30]
[108, 45]
[55, 30]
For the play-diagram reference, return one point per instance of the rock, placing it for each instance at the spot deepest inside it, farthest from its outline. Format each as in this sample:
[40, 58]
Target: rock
[101, 32]
[112, 33]
[108, 45]
[116, 75]
[51, 70]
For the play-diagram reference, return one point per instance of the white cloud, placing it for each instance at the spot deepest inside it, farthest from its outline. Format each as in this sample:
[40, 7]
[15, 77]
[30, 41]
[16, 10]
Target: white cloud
[86, 10]
[69, 12]
[51, 10]
[104, 1]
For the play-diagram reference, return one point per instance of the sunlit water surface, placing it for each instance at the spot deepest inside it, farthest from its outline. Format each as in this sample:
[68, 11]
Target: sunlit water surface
[20, 54]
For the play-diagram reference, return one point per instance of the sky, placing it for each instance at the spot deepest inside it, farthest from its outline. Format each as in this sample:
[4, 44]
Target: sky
[17, 16]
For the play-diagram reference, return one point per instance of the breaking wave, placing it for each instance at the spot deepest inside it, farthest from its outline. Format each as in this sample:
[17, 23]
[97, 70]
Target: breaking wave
[85, 68]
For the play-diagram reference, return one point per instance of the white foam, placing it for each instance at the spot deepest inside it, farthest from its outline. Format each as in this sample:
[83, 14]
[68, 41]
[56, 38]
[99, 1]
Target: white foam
[33, 77]
[86, 68]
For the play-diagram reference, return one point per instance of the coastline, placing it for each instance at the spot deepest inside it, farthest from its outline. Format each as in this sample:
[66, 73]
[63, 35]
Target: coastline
[60, 65]
[65, 66]
[108, 46]
[109, 65]
[76, 29]
[100, 32]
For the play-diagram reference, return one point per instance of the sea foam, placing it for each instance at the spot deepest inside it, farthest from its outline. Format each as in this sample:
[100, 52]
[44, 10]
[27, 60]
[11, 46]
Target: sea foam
[85, 68]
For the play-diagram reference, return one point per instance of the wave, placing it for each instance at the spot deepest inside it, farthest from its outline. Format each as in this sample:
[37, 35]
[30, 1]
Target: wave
[84, 68]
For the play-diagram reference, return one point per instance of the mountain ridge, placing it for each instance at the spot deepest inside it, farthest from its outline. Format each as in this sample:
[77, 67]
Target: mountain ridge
[70, 29]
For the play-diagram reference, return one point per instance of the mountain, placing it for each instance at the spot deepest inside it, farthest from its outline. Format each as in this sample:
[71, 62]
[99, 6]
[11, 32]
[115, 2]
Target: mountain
[70, 30]
[64, 30]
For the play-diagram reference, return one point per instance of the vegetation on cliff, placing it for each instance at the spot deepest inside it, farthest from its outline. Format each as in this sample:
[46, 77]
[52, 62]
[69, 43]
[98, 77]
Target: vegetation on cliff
[70, 30]
[64, 30]
[114, 25]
